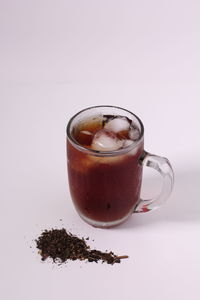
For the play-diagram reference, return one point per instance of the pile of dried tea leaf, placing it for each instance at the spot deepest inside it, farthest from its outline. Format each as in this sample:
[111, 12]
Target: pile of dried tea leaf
[61, 246]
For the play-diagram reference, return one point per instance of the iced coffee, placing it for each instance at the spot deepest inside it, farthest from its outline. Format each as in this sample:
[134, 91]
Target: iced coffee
[103, 167]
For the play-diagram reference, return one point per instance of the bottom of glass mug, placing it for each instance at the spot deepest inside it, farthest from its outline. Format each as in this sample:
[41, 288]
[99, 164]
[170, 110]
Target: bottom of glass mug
[99, 224]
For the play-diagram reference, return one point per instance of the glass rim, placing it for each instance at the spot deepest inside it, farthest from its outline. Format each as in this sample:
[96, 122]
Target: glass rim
[104, 153]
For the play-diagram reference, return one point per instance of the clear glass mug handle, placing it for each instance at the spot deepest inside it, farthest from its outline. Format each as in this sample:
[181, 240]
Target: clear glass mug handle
[162, 165]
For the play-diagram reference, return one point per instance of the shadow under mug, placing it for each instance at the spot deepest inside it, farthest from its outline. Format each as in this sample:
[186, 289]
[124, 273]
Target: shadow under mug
[105, 185]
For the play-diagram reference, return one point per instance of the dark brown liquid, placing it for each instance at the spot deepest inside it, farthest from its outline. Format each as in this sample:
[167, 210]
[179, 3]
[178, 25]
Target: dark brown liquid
[103, 189]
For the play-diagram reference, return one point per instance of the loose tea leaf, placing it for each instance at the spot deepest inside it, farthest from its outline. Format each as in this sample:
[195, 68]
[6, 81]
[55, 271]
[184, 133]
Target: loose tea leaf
[61, 246]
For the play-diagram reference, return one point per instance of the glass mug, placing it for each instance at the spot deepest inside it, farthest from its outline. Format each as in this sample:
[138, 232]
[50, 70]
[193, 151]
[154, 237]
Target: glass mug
[105, 185]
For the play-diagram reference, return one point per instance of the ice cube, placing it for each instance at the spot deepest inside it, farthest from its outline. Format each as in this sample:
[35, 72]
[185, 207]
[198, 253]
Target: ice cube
[134, 134]
[105, 140]
[117, 124]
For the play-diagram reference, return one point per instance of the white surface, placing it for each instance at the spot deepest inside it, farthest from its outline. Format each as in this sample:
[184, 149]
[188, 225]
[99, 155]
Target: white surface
[58, 57]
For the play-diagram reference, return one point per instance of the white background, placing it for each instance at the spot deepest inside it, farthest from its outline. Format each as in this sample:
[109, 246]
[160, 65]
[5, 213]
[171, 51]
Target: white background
[57, 57]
